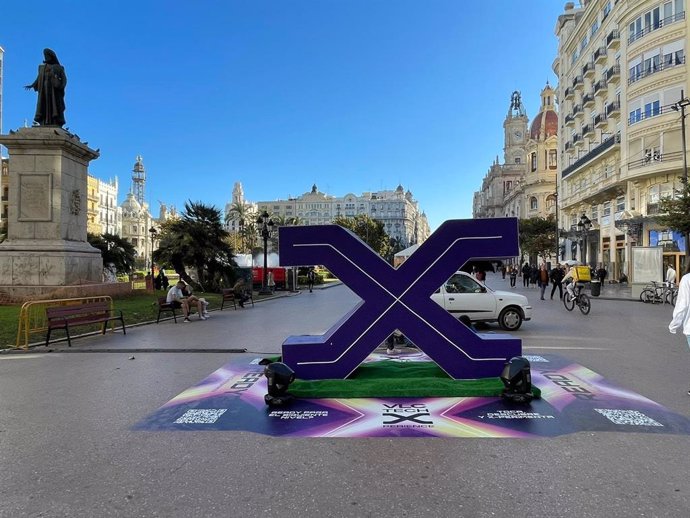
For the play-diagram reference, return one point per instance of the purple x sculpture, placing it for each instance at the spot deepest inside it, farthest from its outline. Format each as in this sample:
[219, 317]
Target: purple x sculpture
[399, 299]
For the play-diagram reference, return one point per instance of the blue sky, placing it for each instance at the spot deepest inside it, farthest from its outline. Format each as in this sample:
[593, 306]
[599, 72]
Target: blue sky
[353, 95]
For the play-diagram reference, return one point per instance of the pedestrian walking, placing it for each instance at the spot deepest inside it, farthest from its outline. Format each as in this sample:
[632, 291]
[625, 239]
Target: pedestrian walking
[310, 279]
[525, 275]
[681, 313]
[503, 271]
[513, 275]
[543, 279]
[533, 275]
[670, 275]
[556, 276]
[270, 282]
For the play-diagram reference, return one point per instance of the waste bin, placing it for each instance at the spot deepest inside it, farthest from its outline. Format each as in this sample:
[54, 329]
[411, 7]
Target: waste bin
[595, 286]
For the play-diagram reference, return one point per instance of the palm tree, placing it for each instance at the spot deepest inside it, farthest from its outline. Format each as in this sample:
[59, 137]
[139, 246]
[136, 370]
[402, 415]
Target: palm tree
[246, 216]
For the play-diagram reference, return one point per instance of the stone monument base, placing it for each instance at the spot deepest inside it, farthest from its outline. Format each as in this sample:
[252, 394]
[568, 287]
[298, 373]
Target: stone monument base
[31, 269]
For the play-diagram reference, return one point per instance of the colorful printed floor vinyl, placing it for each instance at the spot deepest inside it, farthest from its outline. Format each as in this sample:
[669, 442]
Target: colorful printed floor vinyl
[574, 399]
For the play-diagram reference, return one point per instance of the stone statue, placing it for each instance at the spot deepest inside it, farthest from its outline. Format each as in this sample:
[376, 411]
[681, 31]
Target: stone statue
[50, 85]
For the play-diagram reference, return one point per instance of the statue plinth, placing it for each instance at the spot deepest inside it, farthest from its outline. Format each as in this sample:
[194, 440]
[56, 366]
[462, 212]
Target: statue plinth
[46, 244]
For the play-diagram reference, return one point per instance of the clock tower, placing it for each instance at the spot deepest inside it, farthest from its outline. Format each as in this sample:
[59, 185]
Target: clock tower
[515, 131]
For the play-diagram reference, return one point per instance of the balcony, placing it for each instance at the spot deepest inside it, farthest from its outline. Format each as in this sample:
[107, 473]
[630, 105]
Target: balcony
[588, 130]
[613, 108]
[569, 93]
[568, 146]
[636, 35]
[578, 140]
[600, 55]
[587, 100]
[600, 120]
[613, 74]
[613, 40]
[649, 113]
[653, 68]
[578, 81]
[600, 86]
[607, 144]
[569, 120]
[588, 69]
[578, 111]
[655, 157]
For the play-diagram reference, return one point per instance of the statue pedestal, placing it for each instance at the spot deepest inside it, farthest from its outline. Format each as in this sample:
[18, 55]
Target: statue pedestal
[46, 244]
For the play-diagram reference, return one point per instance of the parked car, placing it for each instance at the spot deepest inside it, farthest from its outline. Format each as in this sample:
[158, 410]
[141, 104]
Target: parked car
[462, 295]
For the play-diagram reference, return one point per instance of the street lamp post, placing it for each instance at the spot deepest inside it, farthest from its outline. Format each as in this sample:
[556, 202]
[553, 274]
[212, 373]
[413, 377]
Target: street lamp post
[241, 227]
[153, 233]
[583, 226]
[558, 227]
[680, 105]
[266, 225]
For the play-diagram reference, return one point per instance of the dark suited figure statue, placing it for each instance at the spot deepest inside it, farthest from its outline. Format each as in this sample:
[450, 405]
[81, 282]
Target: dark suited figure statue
[50, 85]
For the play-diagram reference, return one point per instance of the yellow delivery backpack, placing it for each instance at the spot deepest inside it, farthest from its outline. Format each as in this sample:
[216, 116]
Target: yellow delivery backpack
[582, 274]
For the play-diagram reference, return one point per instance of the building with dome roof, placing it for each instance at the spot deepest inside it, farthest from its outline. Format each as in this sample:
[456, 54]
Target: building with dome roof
[534, 194]
[524, 186]
[397, 209]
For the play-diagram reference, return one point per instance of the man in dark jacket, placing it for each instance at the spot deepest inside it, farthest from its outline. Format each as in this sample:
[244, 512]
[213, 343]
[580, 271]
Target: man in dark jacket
[557, 280]
[525, 275]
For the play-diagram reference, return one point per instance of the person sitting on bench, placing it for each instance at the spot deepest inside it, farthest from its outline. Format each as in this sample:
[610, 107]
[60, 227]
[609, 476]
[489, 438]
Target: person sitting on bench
[176, 297]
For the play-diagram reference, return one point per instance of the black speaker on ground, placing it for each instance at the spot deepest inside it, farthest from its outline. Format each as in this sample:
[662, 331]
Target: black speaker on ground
[278, 376]
[517, 379]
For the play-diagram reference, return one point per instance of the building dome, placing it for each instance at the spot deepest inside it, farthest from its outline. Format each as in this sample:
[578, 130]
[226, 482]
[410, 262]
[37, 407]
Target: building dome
[131, 205]
[545, 124]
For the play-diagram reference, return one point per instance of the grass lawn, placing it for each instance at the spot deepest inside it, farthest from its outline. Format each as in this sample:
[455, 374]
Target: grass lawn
[136, 308]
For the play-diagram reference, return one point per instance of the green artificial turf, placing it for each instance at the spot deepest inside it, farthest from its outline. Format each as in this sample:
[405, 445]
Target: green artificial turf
[397, 379]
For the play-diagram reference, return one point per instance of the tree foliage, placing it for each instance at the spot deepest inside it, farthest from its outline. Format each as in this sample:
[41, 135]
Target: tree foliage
[114, 250]
[676, 211]
[537, 236]
[369, 230]
[197, 240]
[245, 214]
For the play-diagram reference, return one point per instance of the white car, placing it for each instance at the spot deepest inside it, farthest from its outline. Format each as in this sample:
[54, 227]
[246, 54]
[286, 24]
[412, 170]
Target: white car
[462, 295]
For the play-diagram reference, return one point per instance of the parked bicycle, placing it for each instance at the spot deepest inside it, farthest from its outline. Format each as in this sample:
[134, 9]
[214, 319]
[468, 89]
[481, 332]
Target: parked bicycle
[659, 293]
[577, 296]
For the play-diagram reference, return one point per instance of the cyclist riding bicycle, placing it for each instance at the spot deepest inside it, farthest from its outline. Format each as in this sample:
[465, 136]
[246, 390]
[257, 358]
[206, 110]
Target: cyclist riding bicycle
[572, 281]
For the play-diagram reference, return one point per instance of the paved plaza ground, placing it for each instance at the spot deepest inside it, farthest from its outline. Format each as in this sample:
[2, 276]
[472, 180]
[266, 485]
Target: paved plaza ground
[67, 447]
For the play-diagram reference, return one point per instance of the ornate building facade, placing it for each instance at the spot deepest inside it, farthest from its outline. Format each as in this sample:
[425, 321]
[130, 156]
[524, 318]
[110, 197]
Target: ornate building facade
[524, 186]
[398, 211]
[622, 71]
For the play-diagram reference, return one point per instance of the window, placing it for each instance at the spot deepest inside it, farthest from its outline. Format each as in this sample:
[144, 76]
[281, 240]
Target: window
[595, 27]
[652, 109]
[135, 242]
[533, 205]
[594, 209]
[553, 159]
[620, 204]
[635, 116]
[517, 159]
[673, 54]
[635, 70]
[583, 43]
[533, 162]
[607, 9]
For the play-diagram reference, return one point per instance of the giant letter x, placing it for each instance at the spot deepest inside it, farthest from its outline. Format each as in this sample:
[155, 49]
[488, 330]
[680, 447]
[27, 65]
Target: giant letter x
[399, 299]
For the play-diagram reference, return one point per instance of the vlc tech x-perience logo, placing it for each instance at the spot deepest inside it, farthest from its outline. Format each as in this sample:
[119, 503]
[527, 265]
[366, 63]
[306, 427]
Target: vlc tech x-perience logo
[414, 415]
[399, 299]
